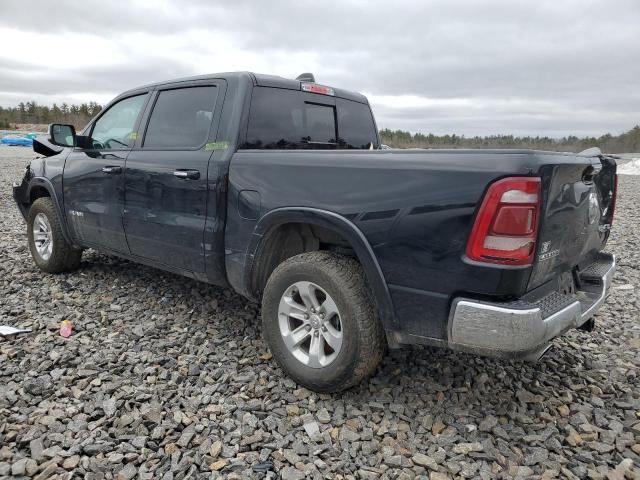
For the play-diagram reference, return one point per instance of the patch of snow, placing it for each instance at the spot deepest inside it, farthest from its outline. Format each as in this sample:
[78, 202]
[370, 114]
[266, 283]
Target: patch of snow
[630, 168]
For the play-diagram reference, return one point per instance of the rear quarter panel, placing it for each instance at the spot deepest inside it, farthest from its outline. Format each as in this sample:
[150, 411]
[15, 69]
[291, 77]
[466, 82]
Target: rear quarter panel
[414, 207]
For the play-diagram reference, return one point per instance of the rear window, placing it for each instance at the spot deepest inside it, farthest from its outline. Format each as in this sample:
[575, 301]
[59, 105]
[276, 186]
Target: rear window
[289, 119]
[355, 124]
[181, 118]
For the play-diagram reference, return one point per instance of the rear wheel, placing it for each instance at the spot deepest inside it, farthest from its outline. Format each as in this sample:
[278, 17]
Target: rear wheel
[319, 320]
[49, 249]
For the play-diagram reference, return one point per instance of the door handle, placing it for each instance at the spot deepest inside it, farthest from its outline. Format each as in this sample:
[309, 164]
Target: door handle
[187, 174]
[112, 170]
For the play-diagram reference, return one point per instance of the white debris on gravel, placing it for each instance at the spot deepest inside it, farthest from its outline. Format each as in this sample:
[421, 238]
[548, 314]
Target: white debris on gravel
[6, 330]
[176, 384]
[630, 168]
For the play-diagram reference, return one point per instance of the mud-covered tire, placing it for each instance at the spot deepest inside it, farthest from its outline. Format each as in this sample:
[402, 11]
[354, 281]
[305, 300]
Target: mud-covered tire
[362, 335]
[63, 257]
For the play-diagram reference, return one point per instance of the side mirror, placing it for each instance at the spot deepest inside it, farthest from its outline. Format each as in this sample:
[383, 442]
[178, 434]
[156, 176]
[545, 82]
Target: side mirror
[62, 135]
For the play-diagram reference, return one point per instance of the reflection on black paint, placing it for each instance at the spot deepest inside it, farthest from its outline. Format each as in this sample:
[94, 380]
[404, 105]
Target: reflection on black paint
[379, 215]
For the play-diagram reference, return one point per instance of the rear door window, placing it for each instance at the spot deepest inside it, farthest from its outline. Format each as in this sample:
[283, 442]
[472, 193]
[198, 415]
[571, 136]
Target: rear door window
[181, 118]
[288, 119]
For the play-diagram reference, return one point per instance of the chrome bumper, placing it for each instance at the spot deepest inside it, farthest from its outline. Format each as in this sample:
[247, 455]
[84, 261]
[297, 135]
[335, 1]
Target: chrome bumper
[522, 330]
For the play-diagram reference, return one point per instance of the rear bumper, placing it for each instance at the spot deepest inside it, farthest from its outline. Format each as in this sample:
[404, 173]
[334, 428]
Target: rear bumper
[522, 330]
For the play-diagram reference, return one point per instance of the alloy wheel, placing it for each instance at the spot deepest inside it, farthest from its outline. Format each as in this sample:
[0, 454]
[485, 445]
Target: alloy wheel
[310, 324]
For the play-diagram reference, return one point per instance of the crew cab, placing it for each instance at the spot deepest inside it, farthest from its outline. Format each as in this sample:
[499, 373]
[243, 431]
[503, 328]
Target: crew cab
[279, 189]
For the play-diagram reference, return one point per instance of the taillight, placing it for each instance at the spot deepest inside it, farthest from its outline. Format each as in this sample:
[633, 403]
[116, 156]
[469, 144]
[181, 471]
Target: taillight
[506, 225]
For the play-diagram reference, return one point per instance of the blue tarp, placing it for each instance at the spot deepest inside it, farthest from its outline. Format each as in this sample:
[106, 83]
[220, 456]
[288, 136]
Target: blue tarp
[17, 141]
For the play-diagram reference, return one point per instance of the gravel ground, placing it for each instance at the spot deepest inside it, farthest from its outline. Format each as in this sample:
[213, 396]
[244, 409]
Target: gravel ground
[168, 378]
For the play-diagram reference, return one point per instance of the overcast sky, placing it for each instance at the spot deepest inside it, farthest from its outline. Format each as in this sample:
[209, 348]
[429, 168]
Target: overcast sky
[444, 66]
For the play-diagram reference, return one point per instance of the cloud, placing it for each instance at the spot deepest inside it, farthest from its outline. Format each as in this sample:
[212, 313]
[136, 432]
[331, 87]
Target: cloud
[467, 67]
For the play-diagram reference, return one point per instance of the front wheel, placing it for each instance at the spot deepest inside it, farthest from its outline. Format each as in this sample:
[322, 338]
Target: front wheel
[49, 249]
[319, 320]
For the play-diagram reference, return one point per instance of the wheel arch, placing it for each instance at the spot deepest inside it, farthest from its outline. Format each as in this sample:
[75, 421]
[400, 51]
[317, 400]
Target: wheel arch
[42, 187]
[331, 222]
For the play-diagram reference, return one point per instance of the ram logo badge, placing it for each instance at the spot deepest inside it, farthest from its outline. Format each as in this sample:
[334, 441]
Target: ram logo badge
[546, 253]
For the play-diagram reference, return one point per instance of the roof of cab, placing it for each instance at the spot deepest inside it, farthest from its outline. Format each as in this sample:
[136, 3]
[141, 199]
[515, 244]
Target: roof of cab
[257, 79]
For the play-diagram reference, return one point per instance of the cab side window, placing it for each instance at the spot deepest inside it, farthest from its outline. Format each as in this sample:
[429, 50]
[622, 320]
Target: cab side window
[181, 118]
[114, 129]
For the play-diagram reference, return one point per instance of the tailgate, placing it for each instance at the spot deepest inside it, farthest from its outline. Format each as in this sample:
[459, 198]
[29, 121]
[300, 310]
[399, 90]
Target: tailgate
[576, 215]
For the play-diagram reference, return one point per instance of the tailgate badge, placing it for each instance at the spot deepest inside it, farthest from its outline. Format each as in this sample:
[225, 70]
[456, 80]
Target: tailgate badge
[594, 208]
[546, 253]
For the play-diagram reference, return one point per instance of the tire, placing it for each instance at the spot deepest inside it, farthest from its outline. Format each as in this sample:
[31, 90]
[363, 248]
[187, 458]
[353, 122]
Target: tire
[61, 257]
[340, 280]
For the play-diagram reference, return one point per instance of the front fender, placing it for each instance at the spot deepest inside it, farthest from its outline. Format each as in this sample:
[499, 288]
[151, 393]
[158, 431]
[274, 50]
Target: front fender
[341, 226]
[23, 194]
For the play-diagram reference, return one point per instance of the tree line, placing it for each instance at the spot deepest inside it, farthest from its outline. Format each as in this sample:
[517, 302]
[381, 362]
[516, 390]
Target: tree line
[32, 113]
[625, 142]
[79, 116]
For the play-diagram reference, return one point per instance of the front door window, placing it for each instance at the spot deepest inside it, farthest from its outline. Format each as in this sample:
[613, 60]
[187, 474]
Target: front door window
[114, 129]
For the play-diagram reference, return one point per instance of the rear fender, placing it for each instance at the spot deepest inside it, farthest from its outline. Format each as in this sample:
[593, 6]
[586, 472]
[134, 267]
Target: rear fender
[339, 225]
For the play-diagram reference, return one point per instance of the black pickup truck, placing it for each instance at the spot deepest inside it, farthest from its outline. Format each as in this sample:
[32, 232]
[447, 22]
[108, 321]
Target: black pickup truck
[279, 189]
